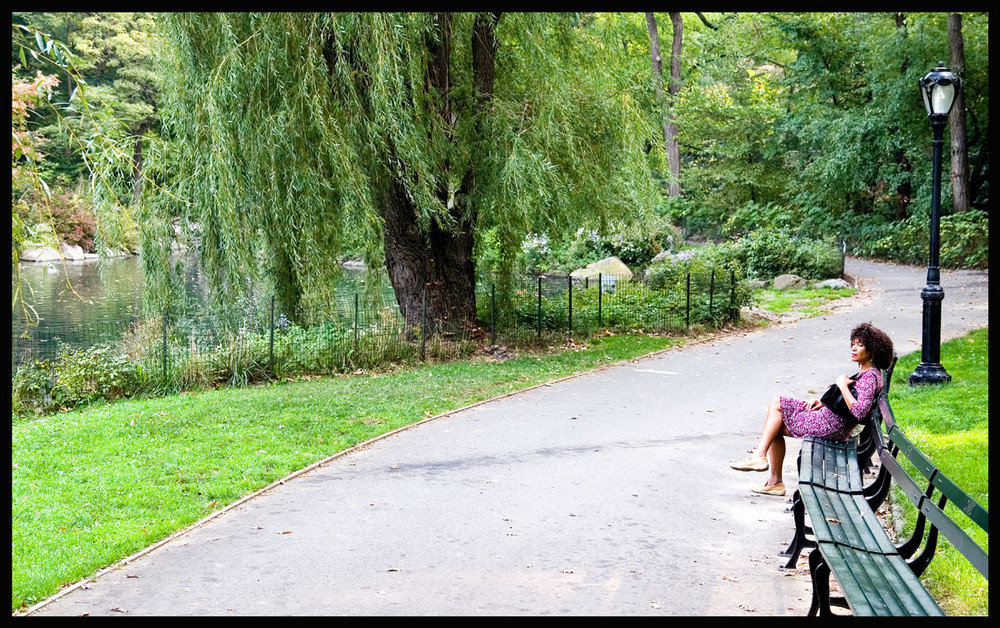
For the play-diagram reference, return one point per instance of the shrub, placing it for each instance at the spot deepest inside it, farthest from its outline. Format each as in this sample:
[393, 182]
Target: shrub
[74, 222]
[767, 253]
[31, 389]
[73, 378]
[964, 240]
[86, 375]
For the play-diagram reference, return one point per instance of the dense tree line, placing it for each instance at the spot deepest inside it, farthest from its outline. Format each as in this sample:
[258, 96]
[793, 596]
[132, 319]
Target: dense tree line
[437, 144]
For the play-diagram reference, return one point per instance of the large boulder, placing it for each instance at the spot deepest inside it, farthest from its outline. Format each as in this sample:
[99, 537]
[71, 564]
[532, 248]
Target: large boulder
[836, 284]
[789, 282]
[607, 266]
[39, 254]
[71, 252]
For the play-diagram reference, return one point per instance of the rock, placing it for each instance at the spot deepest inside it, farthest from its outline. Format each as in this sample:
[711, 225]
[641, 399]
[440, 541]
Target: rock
[659, 257]
[607, 266]
[351, 264]
[39, 254]
[757, 283]
[71, 252]
[789, 282]
[836, 284]
[754, 313]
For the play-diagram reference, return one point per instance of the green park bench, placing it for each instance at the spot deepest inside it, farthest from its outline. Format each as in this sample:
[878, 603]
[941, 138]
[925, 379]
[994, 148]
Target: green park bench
[839, 466]
[875, 575]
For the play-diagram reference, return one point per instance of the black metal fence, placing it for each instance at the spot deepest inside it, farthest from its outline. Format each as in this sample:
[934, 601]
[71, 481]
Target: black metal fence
[368, 330]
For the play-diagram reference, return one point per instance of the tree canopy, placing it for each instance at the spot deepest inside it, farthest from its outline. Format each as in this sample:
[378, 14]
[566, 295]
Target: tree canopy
[421, 131]
[438, 144]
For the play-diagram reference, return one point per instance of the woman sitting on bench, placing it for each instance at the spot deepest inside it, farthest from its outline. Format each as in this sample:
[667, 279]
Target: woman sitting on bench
[871, 348]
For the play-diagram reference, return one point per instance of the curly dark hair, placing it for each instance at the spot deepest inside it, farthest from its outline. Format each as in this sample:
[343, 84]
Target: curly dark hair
[876, 342]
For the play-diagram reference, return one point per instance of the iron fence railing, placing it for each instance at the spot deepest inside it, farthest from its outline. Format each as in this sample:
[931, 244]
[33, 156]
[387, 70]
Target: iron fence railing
[368, 331]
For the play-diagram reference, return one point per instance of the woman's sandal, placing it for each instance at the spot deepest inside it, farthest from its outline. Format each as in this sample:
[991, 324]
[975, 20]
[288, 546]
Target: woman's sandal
[750, 464]
[775, 489]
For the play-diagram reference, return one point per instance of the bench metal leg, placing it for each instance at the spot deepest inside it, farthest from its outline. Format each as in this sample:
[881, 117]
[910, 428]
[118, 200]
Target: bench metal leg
[799, 540]
[876, 492]
[820, 573]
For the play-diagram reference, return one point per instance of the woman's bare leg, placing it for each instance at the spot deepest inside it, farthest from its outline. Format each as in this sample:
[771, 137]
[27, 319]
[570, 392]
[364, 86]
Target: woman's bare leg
[772, 441]
[773, 425]
[776, 457]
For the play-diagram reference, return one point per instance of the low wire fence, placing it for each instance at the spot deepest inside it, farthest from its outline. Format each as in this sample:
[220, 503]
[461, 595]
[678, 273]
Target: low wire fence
[161, 353]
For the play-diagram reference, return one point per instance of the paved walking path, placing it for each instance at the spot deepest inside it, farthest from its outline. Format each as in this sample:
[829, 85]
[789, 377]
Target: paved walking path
[605, 494]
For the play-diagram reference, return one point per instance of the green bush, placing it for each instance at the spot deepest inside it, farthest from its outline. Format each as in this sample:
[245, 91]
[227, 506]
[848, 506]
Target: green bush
[729, 278]
[635, 246]
[767, 253]
[74, 378]
[31, 389]
[964, 240]
[753, 216]
[97, 373]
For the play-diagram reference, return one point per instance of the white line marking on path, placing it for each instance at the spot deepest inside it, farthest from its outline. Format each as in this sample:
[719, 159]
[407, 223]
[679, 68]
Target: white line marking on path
[654, 371]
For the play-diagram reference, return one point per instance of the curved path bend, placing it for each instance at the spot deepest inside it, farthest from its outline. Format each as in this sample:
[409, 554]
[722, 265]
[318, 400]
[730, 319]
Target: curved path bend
[603, 494]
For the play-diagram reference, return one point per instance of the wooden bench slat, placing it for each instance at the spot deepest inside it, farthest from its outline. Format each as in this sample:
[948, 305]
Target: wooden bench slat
[845, 518]
[962, 542]
[877, 584]
[832, 465]
[918, 600]
[959, 498]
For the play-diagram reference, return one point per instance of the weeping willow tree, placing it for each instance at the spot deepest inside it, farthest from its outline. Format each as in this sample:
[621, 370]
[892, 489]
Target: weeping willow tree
[420, 130]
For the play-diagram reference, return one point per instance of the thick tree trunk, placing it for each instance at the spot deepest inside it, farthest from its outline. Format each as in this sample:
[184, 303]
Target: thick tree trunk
[432, 269]
[904, 191]
[959, 145]
[669, 128]
[673, 149]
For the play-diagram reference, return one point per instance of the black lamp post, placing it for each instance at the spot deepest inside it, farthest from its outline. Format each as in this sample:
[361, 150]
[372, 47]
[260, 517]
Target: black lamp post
[938, 90]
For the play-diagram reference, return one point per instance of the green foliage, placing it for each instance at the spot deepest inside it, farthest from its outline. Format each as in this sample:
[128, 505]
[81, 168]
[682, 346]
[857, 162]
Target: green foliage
[75, 377]
[964, 240]
[320, 122]
[766, 253]
[635, 245]
[811, 122]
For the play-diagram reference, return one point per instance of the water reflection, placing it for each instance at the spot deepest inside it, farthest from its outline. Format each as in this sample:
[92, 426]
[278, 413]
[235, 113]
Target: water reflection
[83, 303]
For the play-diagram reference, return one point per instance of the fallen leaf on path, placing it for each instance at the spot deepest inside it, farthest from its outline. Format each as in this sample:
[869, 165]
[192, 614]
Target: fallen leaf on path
[118, 610]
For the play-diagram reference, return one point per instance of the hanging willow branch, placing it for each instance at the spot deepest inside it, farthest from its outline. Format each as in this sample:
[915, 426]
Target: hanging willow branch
[430, 128]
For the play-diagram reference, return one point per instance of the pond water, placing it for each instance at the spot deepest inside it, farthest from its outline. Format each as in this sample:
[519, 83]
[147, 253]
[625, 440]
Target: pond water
[83, 303]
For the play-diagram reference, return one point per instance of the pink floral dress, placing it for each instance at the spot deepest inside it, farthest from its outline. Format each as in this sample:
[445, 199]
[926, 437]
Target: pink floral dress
[824, 422]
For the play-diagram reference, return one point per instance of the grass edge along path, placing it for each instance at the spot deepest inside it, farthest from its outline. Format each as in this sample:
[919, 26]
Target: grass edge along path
[950, 424]
[99, 485]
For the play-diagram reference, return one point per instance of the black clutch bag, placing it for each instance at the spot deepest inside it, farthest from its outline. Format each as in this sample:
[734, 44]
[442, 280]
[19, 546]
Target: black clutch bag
[834, 400]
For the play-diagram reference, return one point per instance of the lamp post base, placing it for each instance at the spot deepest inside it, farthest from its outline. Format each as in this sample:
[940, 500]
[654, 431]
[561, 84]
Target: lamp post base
[929, 373]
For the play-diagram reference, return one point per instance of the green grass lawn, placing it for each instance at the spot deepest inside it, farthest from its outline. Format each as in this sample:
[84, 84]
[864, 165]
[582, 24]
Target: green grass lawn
[809, 301]
[950, 424]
